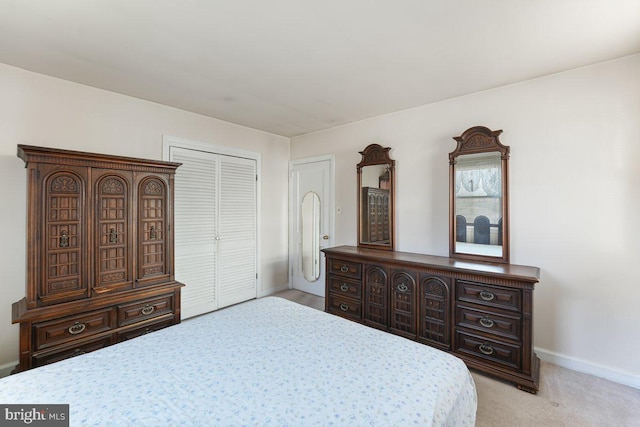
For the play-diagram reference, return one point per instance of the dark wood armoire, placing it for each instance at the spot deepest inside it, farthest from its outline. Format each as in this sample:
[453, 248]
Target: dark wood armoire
[100, 262]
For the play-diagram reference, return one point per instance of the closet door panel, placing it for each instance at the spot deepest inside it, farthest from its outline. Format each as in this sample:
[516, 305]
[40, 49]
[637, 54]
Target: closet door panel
[237, 236]
[196, 203]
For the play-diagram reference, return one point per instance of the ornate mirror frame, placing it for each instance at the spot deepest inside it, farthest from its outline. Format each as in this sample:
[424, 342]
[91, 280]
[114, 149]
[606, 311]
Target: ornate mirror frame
[376, 198]
[475, 147]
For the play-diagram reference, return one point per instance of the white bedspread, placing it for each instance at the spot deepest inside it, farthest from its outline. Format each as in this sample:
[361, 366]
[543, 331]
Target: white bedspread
[266, 362]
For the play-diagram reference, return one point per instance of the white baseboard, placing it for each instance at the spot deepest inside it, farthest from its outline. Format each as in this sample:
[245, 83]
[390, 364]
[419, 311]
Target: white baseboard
[6, 369]
[607, 372]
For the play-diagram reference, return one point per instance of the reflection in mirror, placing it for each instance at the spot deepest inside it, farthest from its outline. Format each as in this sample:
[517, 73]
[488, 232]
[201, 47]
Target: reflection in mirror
[375, 198]
[310, 225]
[478, 203]
[479, 197]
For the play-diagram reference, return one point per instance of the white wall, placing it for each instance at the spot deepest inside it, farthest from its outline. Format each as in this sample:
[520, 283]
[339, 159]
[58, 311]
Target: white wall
[575, 169]
[40, 110]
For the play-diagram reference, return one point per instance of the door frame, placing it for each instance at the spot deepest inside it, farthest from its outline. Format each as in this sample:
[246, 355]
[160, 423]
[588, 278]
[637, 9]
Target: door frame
[174, 141]
[332, 212]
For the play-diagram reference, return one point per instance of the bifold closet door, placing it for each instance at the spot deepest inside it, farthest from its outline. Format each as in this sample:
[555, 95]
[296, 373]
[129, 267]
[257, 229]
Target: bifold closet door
[215, 229]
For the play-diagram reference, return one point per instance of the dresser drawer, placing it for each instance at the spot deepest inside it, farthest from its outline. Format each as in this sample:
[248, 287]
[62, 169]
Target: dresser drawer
[71, 328]
[500, 325]
[343, 287]
[147, 328]
[345, 268]
[145, 309]
[489, 295]
[345, 307]
[70, 351]
[504, 354]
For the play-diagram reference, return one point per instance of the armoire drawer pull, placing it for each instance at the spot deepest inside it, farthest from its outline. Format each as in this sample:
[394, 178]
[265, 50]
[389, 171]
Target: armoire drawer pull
[485, 349]
[402, 287]
[344, 287]
[487, 296]
[344, 269]
[344, 307]
[486, 322]
[147, 309]
[77, 328]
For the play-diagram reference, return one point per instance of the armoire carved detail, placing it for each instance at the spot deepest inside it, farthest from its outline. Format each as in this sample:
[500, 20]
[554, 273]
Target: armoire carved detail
[100, 238]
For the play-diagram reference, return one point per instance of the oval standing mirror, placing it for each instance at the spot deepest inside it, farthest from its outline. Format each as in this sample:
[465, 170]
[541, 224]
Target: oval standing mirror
[310, 224]
[479, 197]
[376, 198]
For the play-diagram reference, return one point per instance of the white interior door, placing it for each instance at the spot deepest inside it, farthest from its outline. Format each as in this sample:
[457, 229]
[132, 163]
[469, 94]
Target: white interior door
[310, 221]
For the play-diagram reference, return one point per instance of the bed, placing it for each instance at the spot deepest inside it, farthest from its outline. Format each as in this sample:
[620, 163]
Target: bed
[266, 362]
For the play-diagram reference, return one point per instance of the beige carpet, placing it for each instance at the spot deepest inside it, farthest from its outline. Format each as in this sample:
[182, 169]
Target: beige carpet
[566, 398]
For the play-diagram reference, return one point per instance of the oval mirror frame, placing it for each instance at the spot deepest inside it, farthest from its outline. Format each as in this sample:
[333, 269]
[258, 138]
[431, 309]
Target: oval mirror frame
[376, 198]
[485, 236]
[310, 236]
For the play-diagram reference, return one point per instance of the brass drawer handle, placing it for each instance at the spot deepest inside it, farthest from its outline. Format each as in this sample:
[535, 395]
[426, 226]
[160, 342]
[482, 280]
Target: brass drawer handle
[147, 309]
[77, 352]
[487, 296]
[344, 269]
[344, 287]
[402, 287]
[486, 322]
[77, 328]
[485, 349]
[344, 307]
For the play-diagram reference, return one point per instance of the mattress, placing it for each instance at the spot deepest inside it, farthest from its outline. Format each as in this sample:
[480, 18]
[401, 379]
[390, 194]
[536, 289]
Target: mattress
[266, 362]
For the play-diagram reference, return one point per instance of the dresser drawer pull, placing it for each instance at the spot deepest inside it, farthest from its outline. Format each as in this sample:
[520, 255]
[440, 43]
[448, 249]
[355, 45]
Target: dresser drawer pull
[77, 352]
[344, 269]
[485, 349]
[344, 287]
[147, 331]
[487, 296]
[147, 309]
[77, 328]
[344, 307]
[486, 322]
[402, 287]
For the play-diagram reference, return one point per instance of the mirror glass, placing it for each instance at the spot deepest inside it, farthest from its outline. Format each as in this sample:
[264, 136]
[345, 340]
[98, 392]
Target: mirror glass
[310, 224]
[478, 204]
[479, 197]
[375, 198]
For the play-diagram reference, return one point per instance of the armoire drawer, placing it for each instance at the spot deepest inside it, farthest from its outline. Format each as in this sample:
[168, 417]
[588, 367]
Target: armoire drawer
[489, 295]
[147, 328]
[345, 307]
[70, 351]
[483, 348]
[345, 268]
[501, 325]
[59, 331]
[343, 287]
[146, 309]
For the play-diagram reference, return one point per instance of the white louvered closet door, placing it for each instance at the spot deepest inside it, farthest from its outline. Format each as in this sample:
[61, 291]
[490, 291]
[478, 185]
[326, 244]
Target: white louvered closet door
[237, 235]
[215, 230]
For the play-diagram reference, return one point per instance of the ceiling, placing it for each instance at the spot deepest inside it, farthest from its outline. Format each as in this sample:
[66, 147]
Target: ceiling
[291, 67]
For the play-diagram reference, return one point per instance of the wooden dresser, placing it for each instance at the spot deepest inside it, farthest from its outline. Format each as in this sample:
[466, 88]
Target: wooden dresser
[99, 253]
[481, 312]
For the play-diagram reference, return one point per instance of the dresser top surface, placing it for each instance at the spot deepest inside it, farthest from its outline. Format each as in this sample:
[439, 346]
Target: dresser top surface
[522, 272]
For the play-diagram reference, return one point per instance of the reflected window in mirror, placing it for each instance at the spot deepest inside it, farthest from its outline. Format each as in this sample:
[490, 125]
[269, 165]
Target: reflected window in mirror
[479, 197]
[376, 198]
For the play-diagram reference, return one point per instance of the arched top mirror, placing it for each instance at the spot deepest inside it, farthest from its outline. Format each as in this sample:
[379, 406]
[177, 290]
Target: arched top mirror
[479, 197]
[376, 197]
